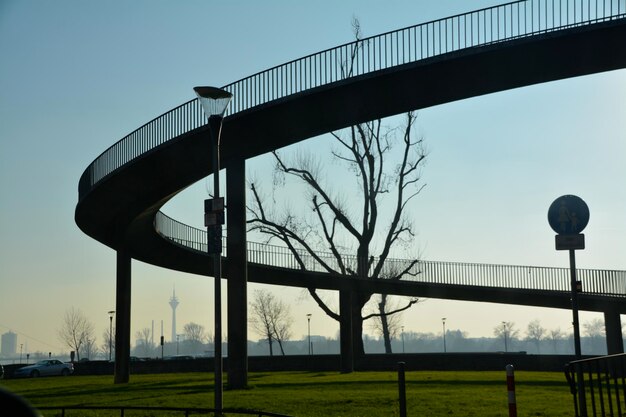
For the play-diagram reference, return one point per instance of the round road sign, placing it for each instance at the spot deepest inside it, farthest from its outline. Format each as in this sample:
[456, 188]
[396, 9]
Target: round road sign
[568, 215]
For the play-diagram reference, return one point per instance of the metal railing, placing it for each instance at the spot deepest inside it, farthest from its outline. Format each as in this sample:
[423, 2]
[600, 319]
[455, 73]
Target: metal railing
[427, 40]
[155, 411]
[595, 281]
[604, 385]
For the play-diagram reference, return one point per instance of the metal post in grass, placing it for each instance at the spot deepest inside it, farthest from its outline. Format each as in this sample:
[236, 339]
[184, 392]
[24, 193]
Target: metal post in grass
[214, 102]
[568, 216]
[510, 385]
[402, 389]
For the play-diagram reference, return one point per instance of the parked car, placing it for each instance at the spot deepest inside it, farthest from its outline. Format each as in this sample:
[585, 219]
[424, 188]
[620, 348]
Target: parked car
[178, 358]
[45, 367]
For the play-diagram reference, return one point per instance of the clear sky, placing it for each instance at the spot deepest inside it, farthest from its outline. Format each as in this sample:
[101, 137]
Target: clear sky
[76, 76]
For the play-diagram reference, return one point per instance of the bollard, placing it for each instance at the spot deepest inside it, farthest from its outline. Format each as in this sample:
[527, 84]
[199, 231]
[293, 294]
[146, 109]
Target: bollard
[510, 384]
[402, 389]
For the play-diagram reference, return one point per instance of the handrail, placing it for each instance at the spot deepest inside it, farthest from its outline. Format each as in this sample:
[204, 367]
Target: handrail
[598, 282]
[603, 385]
[481, 27]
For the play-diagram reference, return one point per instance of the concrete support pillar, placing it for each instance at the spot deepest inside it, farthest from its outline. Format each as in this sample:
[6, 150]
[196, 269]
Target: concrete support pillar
[122, 318]
[613, 326]
[237, 274]
[345, 331]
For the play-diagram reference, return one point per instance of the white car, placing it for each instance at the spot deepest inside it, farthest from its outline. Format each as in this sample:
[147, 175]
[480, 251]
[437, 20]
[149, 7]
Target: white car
[45, 367]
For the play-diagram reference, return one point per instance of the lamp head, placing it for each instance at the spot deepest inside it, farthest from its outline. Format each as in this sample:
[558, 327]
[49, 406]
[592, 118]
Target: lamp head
[214, 100]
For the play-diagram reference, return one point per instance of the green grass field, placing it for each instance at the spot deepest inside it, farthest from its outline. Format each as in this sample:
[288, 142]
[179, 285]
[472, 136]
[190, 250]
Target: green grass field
[310, 394]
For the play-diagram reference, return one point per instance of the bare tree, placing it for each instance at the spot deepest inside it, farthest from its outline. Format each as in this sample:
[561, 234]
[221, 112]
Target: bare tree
[594, 328]
[271, 319]
[338, 226]
[388, 319]
[595, 331]
[89, 348]
[76, 330]
[144, 346]
[195, 332]
[195, 336]
[506, 330]
[555, 335]
[535, 333]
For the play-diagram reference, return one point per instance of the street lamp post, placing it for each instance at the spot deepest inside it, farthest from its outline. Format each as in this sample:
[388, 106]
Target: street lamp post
[506, 348]
[21, 345]
[402, 335]
[111, 313]
[308, 317]
[443, 321]
[214, 102]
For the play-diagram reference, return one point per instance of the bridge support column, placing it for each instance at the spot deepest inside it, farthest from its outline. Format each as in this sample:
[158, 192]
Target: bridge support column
[613, 326]
[122, 317]
[345, 331]
[237, 274]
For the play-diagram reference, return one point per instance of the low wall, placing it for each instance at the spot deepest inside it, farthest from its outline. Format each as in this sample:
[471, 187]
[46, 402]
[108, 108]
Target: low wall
[331, 363]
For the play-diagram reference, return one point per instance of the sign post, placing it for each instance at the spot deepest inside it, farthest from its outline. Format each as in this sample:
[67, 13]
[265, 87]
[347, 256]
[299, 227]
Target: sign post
[568, 216]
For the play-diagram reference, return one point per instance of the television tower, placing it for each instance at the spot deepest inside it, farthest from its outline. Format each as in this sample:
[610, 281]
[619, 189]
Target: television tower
[173, 303]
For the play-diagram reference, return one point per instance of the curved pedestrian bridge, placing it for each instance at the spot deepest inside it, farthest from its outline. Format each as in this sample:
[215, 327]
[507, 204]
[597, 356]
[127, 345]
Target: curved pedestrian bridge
[489, 50]
[510, 284]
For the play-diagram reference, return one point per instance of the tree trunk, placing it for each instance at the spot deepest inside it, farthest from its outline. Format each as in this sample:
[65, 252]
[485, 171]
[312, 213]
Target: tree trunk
[345, 331]
[384, 324]
[357, 328]
[269, 341]
[280, 345]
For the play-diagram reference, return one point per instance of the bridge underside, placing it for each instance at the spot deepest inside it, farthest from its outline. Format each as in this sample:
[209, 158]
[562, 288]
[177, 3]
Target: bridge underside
[526, 297]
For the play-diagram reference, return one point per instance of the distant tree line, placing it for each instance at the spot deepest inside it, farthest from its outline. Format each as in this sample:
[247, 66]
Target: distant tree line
[271, 320]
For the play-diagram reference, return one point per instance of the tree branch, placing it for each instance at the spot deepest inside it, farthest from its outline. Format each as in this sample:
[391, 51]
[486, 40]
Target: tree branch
[399, 310]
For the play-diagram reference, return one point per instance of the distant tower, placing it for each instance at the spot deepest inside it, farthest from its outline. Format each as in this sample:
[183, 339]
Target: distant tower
[173, 303]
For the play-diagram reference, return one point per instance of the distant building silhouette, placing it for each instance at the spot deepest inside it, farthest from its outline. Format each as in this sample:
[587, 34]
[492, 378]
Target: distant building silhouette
[9, 344]
[174, 303]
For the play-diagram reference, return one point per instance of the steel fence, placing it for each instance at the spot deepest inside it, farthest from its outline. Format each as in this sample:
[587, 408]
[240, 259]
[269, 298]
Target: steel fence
[595, 281]
[604, 385]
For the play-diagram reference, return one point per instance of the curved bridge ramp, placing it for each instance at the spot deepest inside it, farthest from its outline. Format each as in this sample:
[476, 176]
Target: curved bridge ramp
[508, 46]
[488, 50]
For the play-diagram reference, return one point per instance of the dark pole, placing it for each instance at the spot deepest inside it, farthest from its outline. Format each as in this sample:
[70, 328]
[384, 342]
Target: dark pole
[582, 403]
[214, 102]
[111, 333]
[506, 349]
[308, 316]
[215, 126]
[122, 317]
[110, 336]
[443, 320]
[402, 389]
[572, 265]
